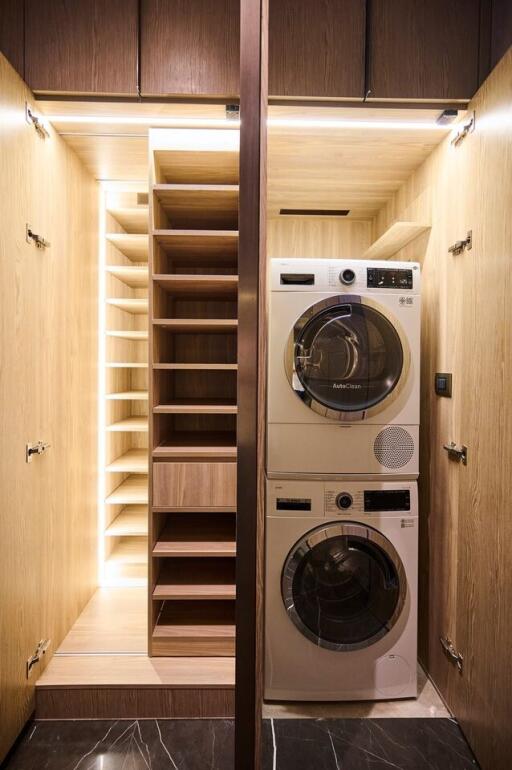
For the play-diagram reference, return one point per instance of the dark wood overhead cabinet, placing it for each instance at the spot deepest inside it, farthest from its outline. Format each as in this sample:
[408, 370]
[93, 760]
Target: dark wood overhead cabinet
[190, 47]
[11, 33]
[317, 48]
[423, 50]
[82, 46]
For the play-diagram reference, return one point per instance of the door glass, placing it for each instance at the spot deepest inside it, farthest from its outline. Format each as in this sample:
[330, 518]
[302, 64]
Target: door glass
[345, 590]
[349, 357]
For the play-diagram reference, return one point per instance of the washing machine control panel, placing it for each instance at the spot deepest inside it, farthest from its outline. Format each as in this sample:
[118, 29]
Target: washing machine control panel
[388, 278]
[340, 501]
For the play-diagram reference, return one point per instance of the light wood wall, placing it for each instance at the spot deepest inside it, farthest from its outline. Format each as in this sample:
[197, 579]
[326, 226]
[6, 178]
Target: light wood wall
[48, 386]
[317, 237]
[466, 522]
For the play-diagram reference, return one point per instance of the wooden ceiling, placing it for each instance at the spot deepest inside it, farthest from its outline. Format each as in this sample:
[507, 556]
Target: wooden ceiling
[308, 167]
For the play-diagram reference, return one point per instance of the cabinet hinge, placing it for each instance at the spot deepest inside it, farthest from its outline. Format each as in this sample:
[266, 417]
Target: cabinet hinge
[40, 650]
[453, 655]
[459, 246]
[458, 453]
[35, 449]
[467, 128]
[38, 124]
[32, 237]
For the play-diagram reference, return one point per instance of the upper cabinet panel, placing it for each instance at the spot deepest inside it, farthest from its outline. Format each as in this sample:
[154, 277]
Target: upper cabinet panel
[190, 47]
[316, 48]
[11, 33]
[82, 46]
[423, 50]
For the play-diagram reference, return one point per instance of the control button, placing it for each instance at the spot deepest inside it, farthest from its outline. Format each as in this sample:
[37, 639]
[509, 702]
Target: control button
[347, 276]
[344, 501]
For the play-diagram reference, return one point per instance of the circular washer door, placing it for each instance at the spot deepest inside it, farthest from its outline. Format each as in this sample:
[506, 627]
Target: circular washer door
[346, 356]
[344, 586]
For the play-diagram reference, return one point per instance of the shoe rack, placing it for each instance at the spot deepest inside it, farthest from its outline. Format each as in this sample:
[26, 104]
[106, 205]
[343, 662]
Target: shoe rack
[192, 390]
[124, 417]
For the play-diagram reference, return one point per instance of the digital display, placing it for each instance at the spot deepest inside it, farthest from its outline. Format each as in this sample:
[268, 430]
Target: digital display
[293, 504]
[297, 279]
[388, 278]
[387, 500]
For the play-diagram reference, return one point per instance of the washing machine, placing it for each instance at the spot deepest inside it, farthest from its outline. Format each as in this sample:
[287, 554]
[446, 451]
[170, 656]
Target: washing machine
[341, 590]
[344, 368]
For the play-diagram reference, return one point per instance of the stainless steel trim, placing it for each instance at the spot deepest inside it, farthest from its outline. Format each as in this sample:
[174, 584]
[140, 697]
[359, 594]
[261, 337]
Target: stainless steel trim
[325, 532]
[296, 385]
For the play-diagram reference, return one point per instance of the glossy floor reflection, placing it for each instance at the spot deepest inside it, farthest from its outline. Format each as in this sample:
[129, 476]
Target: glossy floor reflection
[308, 744]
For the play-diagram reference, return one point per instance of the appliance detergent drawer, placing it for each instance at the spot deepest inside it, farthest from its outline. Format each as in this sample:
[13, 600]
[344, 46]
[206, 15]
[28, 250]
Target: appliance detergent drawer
[194, 485]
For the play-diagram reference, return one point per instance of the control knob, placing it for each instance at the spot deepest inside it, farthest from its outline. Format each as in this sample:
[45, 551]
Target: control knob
[347, 276]
[344, 501]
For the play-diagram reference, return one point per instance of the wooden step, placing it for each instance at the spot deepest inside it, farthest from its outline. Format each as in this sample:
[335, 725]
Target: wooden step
[197, 445]
[132, 461]
[129, 425]
[133, 246]
[196, 579]
[130, 521]
[133, 219]
[197, 325]
[135, 306]
[189, 284]
[207, 628]
[199, 206]
[132, 491]
[128, 395]
[198, 406]
[136, 277]
[218, 245]
[199, 535]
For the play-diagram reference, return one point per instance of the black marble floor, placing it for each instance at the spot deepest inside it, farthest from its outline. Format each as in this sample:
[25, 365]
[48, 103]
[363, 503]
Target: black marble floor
[308, 744]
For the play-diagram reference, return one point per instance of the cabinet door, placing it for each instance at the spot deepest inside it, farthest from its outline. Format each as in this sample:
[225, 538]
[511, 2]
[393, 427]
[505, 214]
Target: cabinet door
[423, 50]
[317, 48]
[11, 33]
[82, 46]
[190, 47]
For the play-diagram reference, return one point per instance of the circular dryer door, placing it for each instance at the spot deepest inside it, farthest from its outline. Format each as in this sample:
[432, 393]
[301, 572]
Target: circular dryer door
[347, 357]
[344, 586]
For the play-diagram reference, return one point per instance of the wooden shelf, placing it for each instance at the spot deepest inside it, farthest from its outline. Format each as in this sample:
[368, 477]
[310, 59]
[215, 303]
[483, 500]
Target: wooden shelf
[197, 367]
[395, 238]
[198, 444]
[197, 535]
[134, 306]
[130, 425]
[128, 561]
[132, 461]
[197, 325]
[132, 219]
[206, 628]
[189, 284]
[126, 365]
[199, 164]
[134, 246]
[131, 521]
[134, 336]
[132, 491]
[134, 277]
[199, 206]
[196, 579]
[128, 395]
[198, 406]
[218, 245]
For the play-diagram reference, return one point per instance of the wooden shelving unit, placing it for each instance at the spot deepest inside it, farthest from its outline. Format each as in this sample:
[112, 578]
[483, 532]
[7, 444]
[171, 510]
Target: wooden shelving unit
[126, 387]
[192, 391]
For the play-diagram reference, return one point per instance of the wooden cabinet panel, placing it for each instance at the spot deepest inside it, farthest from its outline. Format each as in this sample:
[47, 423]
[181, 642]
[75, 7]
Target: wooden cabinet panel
[82, 46]
[501, 38]
[189, 485]
[190, 47]
[317, 48]
[423, 50]
[11, 33]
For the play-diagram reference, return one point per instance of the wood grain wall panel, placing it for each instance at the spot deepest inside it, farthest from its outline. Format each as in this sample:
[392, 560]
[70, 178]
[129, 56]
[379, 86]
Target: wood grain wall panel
[501, 35]
[423, 50]
[47, 391]
[318, 238]
[190, 47]
[82, 46]
[12, 33]
[466, 530]
[317, 48]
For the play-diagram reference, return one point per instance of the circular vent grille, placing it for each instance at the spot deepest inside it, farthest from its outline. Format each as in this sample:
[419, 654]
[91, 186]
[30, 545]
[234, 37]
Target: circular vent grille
[393, 447]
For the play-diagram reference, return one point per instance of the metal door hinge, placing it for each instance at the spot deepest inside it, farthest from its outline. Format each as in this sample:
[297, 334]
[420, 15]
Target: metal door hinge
[467, 128]
[459, 246]
[38, 124]
[40, 650]
[455, 657]
[32, 237]
[35, 449]
[458, 453]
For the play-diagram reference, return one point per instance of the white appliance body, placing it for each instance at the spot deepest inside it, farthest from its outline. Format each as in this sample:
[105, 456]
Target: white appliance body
[322, 642]
[344, 368]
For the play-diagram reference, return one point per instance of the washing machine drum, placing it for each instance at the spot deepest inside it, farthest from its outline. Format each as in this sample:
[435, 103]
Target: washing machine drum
[344, 586]
[346, 357]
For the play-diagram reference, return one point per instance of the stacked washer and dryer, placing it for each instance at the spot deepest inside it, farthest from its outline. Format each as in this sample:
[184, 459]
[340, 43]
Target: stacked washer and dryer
[342, 464]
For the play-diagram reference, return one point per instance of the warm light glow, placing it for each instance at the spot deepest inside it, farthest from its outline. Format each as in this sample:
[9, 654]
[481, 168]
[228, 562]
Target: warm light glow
[101, 384]
[145, 120]
[398, 125]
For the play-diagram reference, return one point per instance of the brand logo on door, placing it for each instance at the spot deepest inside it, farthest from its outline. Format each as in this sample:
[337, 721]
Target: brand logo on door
[406, 301]
[346, 386]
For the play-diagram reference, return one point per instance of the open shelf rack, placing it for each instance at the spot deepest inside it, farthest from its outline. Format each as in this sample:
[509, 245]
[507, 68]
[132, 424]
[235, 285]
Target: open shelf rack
[193, 268]
[125, 414]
